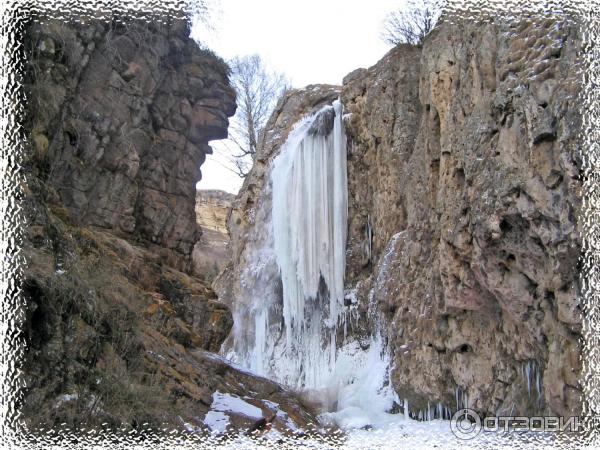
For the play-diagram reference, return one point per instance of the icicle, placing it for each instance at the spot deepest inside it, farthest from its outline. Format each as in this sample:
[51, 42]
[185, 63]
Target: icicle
[406, 412]
[369, 239]
[532, 374]
[309, 214]
[457, 394]
[260, 332]
[462, 399]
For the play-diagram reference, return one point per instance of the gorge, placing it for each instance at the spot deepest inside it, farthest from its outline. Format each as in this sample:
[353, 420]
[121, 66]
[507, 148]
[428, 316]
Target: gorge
[406, 244]
[462, 240]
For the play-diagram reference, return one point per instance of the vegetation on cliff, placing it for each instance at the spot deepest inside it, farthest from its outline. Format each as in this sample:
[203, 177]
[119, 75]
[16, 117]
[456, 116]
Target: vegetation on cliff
[117, 329]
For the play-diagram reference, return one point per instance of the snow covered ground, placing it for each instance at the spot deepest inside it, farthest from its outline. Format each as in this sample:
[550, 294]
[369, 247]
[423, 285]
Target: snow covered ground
[217, 419]
[402, 434]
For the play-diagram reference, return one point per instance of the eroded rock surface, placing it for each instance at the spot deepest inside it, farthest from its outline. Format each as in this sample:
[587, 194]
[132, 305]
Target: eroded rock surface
[117, 329]
[211, 252]
[464, 195]
[464, 161]
[128, 111]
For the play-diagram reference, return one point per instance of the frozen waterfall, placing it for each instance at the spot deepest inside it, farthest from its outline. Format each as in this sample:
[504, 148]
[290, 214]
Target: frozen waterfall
[309, 229]
[295, 331]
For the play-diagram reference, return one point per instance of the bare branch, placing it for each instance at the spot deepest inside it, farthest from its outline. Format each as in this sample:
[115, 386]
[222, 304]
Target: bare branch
[411, 25]
[258, 90]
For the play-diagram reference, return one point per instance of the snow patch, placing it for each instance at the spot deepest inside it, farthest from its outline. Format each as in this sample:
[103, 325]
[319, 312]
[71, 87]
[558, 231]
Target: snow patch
[217, 421]
[233, 404]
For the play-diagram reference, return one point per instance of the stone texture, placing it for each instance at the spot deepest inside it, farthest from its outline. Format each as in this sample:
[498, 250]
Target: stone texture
[211, 252]
[132, 108]
[118, 332]
[463, 160]
[212, 209]
[115, 338]
[469, 148]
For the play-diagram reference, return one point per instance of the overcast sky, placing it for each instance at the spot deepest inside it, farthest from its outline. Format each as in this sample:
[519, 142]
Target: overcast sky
[311, 41]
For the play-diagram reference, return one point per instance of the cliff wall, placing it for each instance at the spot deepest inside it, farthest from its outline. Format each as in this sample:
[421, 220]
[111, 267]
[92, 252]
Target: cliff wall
[117, 330]
[464, 194]
[124, 129]
[211, 252]
[464, 161]
[212, 209]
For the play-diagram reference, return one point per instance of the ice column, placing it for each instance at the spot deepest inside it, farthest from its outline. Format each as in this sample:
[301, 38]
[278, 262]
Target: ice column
[309, 216]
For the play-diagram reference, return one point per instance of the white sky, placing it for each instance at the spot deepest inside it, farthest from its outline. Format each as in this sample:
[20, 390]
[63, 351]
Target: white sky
[311, 41]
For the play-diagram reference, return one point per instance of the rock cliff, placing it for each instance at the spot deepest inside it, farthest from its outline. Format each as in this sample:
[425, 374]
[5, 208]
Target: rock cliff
[212, 209]
[465, 162]
[117, 329]
[128, 113]
[211, 252]
[464, 194]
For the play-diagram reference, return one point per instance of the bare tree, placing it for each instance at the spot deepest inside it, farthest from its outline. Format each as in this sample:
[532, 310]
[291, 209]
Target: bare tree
[202, 13]
[412, 24]
[258, 90]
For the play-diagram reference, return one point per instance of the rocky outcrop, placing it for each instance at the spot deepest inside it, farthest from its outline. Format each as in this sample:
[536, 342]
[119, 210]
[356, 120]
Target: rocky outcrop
[464, 161]
[116, 339]
[212, 209]
[117, 330]
[211, 252]
[464, 194]
[129, 109]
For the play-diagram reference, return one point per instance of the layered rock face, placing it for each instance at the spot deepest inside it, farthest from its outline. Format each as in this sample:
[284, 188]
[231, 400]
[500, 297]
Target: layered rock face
[212, 209]
[464, 162]
[131, 108]
[117, 330]
[211, 252]
[464, 194]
